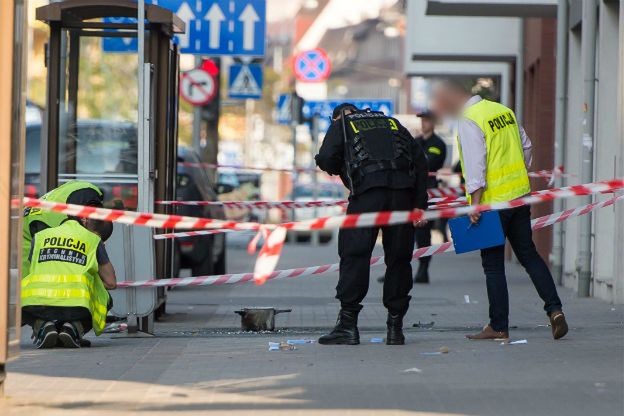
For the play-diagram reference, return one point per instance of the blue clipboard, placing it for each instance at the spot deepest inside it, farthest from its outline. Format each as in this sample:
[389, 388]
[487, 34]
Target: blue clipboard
[488, 232]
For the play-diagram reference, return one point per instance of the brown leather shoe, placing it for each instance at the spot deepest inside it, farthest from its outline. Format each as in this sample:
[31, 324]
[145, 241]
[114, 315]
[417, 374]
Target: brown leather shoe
[558, 324]
[488, 333]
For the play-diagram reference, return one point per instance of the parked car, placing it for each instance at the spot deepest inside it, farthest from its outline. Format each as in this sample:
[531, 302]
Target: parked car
[326, 191]
[204, 255]
[108, 147]
[246, 187]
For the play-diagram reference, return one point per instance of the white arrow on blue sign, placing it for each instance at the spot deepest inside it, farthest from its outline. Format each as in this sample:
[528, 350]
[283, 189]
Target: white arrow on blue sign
[283, 110]
[245, 81]
[213, 27]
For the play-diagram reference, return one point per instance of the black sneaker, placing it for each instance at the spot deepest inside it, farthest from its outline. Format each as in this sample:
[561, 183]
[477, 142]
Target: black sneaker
[69, 336]
[46, 336]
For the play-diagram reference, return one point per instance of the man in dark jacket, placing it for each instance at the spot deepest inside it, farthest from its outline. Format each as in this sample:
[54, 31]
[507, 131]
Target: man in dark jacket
[435, 149]
[385, 170]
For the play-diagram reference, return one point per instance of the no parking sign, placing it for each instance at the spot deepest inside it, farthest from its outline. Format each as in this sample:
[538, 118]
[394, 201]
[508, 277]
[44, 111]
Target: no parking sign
[312, 66]
[197, 86]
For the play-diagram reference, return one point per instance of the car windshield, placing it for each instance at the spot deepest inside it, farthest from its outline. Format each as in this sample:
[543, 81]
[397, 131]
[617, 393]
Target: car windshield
[106, 148]
[100, 148]
[229, 178]
[33, 151]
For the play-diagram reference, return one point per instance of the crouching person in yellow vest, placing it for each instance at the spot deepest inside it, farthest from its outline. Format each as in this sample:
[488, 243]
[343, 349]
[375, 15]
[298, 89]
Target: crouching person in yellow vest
[36, 219]
[65, 294]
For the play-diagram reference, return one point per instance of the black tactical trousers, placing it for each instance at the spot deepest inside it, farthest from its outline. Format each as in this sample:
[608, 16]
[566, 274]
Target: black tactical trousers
[423, 239]
[355, 247]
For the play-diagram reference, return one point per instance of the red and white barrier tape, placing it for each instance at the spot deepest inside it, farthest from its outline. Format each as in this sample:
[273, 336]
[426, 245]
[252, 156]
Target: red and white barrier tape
[558, 171]
[439, 203]
[380, 219]
[397, 217]
[376, 219]
[259, 204]
[168, 236]
[257, 168]
[547, 173]
[446, 192]
[537, 224]
[283, 204]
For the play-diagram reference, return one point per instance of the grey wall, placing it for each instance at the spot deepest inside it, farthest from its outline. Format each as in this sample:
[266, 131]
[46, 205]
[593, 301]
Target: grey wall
[608, 248]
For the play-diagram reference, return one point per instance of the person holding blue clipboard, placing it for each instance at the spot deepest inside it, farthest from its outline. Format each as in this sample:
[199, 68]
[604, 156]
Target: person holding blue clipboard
[495, 153]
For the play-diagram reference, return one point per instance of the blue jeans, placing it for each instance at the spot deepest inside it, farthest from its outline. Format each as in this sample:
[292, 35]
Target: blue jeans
[516, 224]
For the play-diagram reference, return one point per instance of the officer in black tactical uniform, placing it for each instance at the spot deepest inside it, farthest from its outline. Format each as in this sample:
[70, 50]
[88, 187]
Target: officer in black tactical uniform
[385, 170]
[435, 149]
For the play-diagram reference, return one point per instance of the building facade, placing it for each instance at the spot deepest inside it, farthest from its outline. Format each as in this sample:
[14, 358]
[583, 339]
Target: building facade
[608, 157]
[539, 50]
[558, 123]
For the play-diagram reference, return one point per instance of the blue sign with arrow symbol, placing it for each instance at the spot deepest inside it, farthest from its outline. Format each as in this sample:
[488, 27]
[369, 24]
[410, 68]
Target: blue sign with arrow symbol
[213, 27]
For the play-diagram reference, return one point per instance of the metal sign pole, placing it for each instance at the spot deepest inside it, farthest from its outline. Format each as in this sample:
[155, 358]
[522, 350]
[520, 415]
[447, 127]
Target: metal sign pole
[314, 131]
[197, 115]
[143, 162]
[143, 137]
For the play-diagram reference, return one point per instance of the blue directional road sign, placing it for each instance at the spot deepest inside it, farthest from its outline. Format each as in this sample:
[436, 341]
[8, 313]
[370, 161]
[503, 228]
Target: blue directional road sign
[120, 45]
[245, 81]
[213, 27]
[324, 108]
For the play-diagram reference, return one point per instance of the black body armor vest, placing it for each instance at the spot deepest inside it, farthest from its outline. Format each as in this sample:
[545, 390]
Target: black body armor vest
[373, 143]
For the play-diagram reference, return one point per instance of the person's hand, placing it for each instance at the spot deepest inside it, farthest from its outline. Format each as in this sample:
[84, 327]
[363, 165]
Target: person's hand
[420, 224]
[474, 217]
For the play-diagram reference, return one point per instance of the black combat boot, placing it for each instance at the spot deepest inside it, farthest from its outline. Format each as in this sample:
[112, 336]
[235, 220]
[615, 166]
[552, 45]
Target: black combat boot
[395, 330]
[345, 332]
[422, 275]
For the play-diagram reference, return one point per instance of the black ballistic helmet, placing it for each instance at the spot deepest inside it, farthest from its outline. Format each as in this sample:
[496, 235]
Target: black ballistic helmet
[344, 106]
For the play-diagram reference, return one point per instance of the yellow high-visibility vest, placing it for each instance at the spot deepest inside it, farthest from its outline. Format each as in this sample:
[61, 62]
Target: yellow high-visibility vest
[64, 272]
[51, 219]
[506, 174]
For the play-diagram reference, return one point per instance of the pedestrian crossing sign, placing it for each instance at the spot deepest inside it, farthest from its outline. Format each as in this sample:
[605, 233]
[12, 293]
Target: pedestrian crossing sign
[245, 81]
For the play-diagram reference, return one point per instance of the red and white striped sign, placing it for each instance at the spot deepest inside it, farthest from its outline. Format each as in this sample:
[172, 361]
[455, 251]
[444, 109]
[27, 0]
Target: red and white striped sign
[537, 224]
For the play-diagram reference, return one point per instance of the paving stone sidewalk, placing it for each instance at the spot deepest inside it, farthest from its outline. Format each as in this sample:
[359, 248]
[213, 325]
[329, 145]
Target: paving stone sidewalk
[200, 363]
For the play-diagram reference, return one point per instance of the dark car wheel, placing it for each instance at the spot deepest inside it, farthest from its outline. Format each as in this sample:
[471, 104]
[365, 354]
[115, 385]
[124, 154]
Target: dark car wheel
[206, 267]
[220, 265]
[177, 261]
[325, 238]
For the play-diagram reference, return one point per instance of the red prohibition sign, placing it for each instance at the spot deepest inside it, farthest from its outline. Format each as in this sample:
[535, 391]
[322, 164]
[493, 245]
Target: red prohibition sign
[312, 66]
[197, 87]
